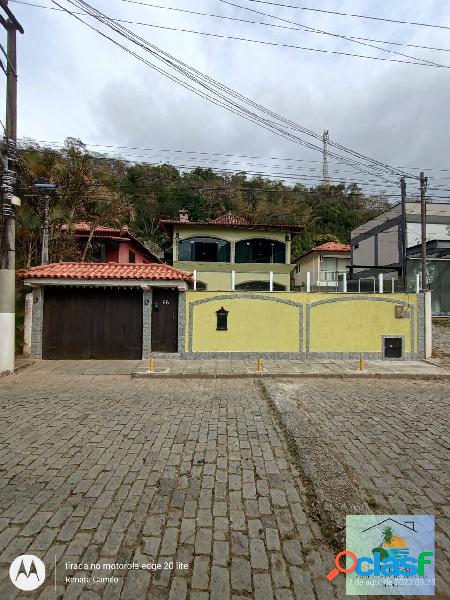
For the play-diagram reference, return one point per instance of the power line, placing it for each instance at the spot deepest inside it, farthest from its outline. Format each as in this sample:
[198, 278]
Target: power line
[219, 94]
[236, 19]
[356, 16]
[297, 175]
[278, 44]
[324, 32]
[205, 153]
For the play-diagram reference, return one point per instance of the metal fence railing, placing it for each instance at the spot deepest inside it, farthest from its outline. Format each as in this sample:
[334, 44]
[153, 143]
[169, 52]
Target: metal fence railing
[337, 281]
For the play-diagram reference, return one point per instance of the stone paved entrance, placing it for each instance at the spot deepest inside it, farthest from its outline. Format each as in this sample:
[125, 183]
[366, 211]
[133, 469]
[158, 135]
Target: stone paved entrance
[97, 468]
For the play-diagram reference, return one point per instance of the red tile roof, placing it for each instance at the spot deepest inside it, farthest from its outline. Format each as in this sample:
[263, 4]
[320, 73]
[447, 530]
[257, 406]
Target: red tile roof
[100, 231]
[332, 247]
[230, 219]
[327, 247]
[149, 271]
[152, 251]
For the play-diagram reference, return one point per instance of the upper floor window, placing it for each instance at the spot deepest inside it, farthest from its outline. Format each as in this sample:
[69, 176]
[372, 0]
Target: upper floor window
[204, 249]
[131, 257]
[260, 250]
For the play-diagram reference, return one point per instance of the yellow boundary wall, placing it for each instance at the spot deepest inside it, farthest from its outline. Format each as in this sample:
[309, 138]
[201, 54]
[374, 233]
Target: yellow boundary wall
[309, 324]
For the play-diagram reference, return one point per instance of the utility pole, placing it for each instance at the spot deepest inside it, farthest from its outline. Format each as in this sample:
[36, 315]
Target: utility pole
[44, 254]
[403, 257]
[8, 179]
[423, 220]
[325, 171]
[45, 228]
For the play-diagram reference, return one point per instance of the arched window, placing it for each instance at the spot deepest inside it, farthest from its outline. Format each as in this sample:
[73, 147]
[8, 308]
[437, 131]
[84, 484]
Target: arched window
[259, 286]
[260, 250]
[204, 249]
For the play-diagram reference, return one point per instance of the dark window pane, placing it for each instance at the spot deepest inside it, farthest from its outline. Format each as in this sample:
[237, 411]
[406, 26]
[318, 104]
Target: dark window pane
[200, 286]
[204, 249]
[131, 257]
[259, 286]
[260, 250]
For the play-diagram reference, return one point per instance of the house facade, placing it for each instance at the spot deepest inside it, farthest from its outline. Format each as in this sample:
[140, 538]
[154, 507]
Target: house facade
[230, 253]
[131, 311]
[326, 263]
[384, 244]
[112, 244]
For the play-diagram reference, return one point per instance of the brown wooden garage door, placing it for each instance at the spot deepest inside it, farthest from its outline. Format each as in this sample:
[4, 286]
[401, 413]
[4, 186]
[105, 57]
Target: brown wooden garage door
[82, 323]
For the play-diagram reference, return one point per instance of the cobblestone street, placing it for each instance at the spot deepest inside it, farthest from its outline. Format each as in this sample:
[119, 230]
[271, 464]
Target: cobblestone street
[393, 439]
[109, 469]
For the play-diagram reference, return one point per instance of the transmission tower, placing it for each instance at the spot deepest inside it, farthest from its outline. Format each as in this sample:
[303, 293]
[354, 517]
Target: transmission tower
[325, 172]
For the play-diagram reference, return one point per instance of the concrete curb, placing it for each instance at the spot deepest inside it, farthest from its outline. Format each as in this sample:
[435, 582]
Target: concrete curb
[334, 495]
[357, 375]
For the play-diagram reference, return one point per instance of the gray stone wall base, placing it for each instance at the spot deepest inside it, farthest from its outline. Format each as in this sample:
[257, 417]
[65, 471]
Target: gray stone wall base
[292, 356]
[146, 324]
[37, 322]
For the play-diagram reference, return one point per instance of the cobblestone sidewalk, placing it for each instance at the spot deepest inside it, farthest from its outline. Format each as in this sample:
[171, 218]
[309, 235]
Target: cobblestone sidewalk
[105, 469]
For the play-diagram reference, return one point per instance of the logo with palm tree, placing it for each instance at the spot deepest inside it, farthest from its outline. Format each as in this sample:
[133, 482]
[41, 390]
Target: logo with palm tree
[390, 542]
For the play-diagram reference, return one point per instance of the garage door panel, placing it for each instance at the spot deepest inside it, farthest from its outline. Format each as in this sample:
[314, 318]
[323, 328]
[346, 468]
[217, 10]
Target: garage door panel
[82, 323]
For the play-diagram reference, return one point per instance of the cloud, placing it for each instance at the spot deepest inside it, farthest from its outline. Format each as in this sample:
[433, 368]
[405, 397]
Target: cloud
[73, 82]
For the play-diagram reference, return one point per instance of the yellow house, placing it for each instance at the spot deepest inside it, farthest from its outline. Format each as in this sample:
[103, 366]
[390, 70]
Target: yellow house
[230, 253]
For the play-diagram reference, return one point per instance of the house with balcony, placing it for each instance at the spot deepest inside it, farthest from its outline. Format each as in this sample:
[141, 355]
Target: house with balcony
[231, 253]
[326, 264]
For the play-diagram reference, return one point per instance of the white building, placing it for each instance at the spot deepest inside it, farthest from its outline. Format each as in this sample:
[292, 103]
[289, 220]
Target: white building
[326, 264]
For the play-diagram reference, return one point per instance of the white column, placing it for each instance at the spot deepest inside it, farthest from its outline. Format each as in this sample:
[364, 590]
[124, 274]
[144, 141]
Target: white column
[195, 279]
[27, 322]
[393, 285]
[233, 280]
[359, 286]
[380, 283]
[308, 281]
[271, 281]
[345, 282]
[417, 283]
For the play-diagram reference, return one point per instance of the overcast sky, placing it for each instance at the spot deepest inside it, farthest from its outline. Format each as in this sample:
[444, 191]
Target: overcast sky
[72, 82]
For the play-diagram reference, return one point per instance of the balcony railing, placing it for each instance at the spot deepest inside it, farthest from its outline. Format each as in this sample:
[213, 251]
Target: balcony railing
[331, 277]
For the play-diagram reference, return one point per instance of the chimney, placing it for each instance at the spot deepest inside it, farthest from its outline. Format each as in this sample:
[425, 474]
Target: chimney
[184, 215]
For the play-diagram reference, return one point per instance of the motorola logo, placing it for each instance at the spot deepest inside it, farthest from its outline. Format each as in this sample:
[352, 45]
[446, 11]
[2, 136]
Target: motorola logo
[27, 572]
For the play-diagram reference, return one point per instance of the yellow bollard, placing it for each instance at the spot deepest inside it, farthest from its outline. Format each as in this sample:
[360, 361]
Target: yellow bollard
[151, 364]
[361, 363]
[259, 365]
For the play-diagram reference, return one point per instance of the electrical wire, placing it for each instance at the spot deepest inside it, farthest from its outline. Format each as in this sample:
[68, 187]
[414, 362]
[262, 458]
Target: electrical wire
[236, 19]
[203, 153]
[353, 15]
[312, 174]
[217, 90]
[336, 35]
[298, 175]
